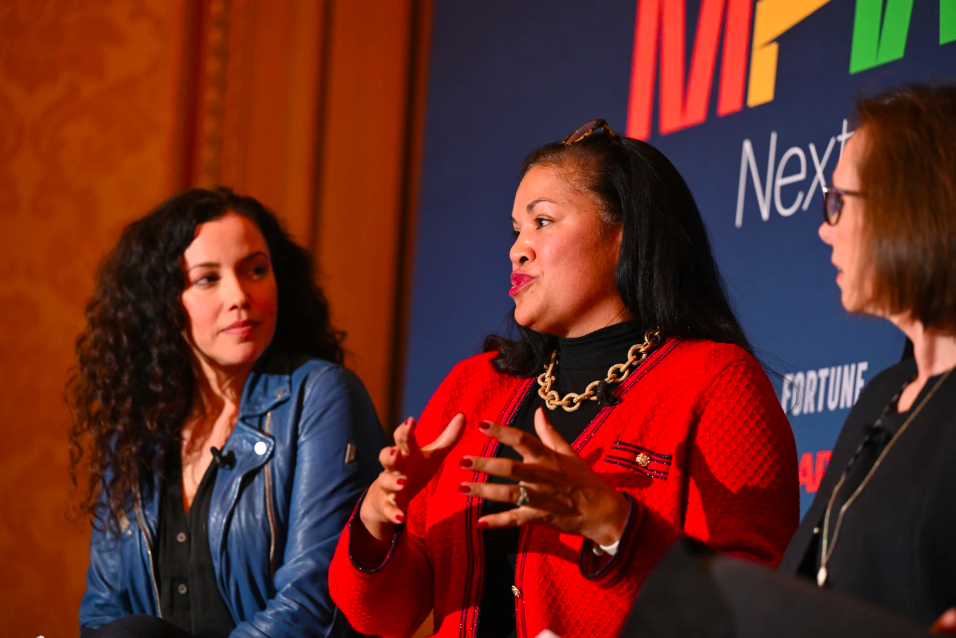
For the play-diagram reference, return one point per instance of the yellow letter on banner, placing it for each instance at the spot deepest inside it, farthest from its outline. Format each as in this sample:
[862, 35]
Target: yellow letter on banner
[772, 19]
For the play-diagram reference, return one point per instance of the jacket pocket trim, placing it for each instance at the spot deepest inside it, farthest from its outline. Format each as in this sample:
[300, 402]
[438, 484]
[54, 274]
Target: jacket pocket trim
[639, 459]
[636, 468]
[628, 447]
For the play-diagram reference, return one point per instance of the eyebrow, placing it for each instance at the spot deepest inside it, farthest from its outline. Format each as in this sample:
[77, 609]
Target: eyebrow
[213, 264]
[530, 207]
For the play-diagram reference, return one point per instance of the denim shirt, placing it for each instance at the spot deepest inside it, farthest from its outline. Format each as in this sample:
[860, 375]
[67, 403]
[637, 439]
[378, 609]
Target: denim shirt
[305, 447]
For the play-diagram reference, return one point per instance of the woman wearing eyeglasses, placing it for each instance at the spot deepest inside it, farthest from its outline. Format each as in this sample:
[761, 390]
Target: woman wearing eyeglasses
[882, 525]
[548, 475]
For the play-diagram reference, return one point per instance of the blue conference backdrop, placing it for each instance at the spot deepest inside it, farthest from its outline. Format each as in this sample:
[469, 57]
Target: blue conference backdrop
[749, 100]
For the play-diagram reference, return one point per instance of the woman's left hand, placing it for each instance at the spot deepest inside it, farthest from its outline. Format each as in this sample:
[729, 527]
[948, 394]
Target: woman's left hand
[561, 489]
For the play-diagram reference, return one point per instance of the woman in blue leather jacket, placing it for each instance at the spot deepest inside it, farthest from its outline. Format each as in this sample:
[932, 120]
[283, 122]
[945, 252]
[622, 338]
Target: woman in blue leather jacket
[220, 443]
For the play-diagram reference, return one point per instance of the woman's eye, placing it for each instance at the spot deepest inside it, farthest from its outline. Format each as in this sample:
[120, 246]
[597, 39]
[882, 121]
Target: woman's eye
[206, 280]
[261, 270]
[515, 233]
[542, 221]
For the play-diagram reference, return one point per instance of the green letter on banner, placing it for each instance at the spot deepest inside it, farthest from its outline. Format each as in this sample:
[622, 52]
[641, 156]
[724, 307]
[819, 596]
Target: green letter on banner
[947, 21]
[879, 37]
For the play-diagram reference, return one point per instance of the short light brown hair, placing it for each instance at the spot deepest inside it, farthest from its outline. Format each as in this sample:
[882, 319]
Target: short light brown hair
[908, 177]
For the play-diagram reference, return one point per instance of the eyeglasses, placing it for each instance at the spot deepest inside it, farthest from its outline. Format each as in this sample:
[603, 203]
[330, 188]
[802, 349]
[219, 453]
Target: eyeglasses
[586, 129]
[833, 203]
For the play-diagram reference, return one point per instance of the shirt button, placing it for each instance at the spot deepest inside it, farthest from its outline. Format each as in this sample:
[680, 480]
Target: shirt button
[260, 448]
[516, 591]
[816, 530]
[181, 537]
[182, 589]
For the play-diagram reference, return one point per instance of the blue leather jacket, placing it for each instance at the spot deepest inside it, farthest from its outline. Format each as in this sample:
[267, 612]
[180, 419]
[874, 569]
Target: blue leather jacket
[275, 515]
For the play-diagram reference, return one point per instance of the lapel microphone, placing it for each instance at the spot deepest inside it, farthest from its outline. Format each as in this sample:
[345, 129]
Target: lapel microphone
[605, 395]
[876, 432]
[227, 460]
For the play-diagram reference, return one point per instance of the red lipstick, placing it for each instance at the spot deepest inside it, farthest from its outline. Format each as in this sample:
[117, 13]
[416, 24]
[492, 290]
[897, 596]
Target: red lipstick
[518, 281]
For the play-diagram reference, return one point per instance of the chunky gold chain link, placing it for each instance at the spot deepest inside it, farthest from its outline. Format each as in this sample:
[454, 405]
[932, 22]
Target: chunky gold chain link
[615, 374]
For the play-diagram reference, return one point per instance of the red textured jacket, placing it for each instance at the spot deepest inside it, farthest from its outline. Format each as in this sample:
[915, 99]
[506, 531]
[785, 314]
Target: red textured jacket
[717, 462]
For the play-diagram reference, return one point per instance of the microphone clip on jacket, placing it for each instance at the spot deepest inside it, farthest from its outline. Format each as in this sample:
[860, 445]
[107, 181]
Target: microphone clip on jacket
[227, 460]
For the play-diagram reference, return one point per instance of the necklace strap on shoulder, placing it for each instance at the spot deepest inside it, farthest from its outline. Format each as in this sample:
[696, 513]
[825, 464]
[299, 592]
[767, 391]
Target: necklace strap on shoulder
[828, 546]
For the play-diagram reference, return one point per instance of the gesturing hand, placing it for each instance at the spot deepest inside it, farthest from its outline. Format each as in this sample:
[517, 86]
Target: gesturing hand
[408, 468]
[945, 624]
[561, 489]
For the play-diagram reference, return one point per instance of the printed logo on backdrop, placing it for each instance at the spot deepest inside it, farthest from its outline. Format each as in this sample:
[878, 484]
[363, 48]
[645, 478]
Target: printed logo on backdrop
[825, 389]
[878, 35]
[745, 36]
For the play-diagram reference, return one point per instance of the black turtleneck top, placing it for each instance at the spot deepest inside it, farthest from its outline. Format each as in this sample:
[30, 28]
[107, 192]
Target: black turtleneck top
[580, 361]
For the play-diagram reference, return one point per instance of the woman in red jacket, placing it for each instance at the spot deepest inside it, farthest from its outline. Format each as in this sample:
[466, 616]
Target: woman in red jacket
[548, 475]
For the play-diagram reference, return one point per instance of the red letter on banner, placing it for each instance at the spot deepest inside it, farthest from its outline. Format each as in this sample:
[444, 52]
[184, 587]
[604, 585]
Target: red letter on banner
[668, 20]
[733, 74]
[823, 461]
[806, 472]
[812, 473]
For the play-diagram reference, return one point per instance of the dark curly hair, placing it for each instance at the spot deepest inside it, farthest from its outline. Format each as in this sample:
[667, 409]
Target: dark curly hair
[133, 383]
[666, 272]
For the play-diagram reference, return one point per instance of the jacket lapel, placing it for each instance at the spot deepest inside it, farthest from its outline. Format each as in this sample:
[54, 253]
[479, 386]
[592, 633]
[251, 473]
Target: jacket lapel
[267, 389]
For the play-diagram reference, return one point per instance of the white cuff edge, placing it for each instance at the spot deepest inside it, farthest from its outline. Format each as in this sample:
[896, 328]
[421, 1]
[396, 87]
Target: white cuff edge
[610, 550]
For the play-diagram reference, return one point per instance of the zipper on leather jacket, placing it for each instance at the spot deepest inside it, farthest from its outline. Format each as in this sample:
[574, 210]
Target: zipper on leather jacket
[149, 552]
[270, 515]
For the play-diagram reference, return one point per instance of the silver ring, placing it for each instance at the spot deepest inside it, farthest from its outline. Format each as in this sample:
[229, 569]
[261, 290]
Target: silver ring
[523, 496]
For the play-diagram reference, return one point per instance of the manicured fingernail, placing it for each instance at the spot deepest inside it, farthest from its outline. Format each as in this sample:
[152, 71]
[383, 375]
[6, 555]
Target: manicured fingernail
[466, 462]
[392, 453]
[464, 488]
[482, 525]
[399, 517]
[484, 425]
[401, 481]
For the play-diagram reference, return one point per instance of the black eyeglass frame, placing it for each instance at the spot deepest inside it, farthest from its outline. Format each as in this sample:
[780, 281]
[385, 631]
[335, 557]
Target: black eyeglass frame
[587, 129]
[833, 202]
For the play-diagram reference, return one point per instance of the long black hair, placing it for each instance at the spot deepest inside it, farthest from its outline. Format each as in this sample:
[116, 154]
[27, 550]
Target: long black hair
[133, 384]
[666, 272]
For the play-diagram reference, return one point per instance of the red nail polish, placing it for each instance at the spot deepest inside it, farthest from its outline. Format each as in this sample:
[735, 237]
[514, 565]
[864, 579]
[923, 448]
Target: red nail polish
[399, 517]
[401, 481]
[482, 525]
[464, 489]
[467, 463]
[392, 452]
[484, 425]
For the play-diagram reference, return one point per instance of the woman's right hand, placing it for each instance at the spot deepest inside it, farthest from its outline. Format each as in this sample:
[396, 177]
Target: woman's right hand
[408, 468]
[945, 624]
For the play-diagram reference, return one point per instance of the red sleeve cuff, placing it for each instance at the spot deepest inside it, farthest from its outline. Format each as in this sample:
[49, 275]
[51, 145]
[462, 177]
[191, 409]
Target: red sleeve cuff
[605, 569]
[354, 522]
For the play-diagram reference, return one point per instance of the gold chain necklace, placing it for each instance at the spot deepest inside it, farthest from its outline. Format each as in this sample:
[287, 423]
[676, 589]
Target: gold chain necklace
[615, 374]
[824, 554]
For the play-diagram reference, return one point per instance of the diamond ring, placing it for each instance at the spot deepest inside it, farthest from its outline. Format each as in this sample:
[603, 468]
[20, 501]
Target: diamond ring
[523, 496]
